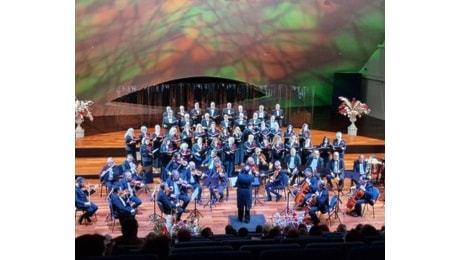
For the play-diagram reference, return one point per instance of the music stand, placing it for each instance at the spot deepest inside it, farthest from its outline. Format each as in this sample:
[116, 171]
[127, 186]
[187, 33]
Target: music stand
[207, 183]
[287, 210]
[336, 210]
[154, 217]
[256, 186]
[195, 212]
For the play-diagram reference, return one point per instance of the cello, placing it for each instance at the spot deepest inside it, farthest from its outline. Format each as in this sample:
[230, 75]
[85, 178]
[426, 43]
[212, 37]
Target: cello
[353, 198]
[300, 196]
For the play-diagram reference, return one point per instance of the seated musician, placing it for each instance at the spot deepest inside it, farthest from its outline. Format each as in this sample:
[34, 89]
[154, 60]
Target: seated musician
[360, 166]
[122, 208]
[108, 174]
[169, 206]
[210, 162]
[366, 186]
[82, 192]
[179, 189]
[315, 161]
[177, 163]
[277, 181]
[310, 181]
[318, 202]
[129, 186]
[129, 164]
[193, 176]
[337, 170]
[293, 161]
[260, 160]
[217, 182]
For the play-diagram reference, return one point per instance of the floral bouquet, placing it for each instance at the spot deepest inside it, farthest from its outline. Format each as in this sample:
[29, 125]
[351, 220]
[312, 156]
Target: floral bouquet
[83, 109]
[291, 219]
[191, 225]
[353, 108]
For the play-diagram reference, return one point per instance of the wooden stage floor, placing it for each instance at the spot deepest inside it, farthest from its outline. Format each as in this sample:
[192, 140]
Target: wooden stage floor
[92, 151]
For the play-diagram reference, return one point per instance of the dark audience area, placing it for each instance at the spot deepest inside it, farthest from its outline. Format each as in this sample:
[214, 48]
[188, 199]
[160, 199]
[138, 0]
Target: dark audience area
[363, 241]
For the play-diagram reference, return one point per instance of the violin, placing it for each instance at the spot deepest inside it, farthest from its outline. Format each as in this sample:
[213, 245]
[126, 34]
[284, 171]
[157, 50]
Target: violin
[275, 175]
[255, 170]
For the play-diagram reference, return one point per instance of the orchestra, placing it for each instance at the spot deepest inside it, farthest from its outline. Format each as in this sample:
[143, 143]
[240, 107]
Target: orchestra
[194, 151]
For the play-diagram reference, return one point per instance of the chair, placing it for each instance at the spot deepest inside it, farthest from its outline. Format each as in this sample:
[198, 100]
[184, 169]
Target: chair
[83, 211]
[106, 188]
[375, 197]
[283, 189]
[332, 210]
[113, 215]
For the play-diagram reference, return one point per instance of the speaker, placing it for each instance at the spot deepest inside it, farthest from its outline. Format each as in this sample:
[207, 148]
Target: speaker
[346, 84]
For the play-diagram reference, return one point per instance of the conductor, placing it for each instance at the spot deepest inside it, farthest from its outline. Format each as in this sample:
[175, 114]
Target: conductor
[244, 194]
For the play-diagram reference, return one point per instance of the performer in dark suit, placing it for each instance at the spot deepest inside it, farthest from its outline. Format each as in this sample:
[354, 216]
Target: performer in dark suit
[368, 188]
[126, 183]
[318, 202]
[179, 190]
[312, 181]
[229, 111]
[244, 194]
[218, 182]
[108, 174]
[213, 111]
[277, 181]
[226, 123]
[164, 197]
[81, 200]
[337, 168]
[339, 144]
[120, 206]
[279, 115]
[196, 113]
[359, 166]
[315, 162]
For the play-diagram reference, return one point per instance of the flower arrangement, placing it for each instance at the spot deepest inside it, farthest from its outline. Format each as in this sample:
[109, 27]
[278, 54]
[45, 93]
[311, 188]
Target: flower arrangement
[353, 108]
[160, 227]
[83, 109]
[290, 219]
[191, 225]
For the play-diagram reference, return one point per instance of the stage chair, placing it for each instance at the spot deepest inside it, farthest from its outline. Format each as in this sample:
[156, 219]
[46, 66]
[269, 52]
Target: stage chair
[112, 214]
[332, 210]
[284, 189]
[375, 197]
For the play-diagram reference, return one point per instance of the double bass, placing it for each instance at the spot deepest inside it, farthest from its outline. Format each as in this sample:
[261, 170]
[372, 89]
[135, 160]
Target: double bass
[358, 194]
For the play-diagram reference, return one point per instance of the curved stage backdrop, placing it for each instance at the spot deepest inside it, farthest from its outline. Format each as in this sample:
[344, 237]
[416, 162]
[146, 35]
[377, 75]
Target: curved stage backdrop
[124, 47]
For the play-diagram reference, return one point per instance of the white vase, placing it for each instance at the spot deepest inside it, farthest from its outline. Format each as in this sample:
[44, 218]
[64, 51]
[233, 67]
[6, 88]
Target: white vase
[352, 129]
[79, 131]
